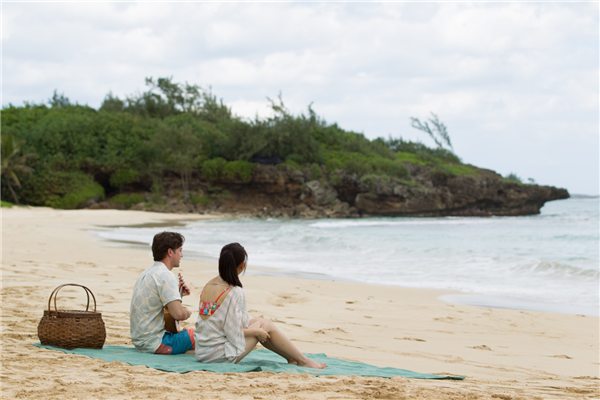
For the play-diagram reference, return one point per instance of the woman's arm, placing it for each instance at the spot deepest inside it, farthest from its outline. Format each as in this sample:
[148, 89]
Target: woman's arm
[257, 332]
[236, 319]
[249, 332]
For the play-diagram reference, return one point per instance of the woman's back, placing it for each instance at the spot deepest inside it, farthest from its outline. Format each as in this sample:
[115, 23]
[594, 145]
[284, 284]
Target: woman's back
[219, 333]
[211, 298]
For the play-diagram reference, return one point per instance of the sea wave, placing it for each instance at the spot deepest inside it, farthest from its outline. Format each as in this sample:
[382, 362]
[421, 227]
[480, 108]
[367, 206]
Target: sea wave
[538, 257]
[399, 222]
[560, 270]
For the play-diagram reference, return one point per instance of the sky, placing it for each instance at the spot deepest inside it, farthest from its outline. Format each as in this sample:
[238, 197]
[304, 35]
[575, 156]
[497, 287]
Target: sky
[516, 84]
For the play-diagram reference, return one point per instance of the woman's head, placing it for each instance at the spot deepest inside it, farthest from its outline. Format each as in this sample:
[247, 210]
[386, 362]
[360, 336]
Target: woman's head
[232, 256]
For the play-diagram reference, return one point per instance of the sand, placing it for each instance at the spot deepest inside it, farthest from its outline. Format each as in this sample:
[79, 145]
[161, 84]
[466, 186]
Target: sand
[504, 354]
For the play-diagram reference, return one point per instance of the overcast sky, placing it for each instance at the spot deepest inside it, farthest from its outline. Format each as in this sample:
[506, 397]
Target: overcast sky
[517, 84]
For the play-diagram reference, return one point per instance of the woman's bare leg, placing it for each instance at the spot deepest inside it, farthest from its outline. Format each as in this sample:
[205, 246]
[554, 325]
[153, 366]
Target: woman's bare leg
[256, 323]
[250, 344]
[282, 345]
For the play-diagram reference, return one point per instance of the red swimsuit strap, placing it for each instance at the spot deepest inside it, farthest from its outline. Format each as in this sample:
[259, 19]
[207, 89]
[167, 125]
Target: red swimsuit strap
[221, 294]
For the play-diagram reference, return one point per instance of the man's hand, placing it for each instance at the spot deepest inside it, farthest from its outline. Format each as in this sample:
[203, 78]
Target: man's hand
[186, 290]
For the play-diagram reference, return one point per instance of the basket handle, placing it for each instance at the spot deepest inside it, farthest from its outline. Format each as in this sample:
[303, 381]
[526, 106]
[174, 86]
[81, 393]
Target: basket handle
[87, 292]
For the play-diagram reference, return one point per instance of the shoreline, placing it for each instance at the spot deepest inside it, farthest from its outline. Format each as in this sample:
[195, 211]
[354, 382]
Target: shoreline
[503, 353]
[457, 297]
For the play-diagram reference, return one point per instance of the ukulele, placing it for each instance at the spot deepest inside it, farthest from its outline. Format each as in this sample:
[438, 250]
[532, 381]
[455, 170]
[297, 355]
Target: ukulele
[171, 324]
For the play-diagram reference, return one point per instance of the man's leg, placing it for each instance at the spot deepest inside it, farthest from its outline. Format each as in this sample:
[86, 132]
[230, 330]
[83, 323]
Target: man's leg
[177, 343]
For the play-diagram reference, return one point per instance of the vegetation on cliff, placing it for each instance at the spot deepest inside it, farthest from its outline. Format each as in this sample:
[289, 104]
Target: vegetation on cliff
[80, 155]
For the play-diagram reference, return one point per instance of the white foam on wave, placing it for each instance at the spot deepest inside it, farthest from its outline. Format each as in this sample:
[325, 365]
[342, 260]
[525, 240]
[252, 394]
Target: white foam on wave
[528, 257]
[342, 223]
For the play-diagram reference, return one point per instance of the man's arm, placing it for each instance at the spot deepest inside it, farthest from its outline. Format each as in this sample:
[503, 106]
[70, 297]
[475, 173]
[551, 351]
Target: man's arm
[178, 311]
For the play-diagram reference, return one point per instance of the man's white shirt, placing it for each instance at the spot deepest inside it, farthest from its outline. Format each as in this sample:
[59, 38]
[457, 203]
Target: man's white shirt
[154, 289]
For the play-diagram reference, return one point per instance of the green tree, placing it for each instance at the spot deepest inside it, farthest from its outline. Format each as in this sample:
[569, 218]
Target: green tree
[437, 131]
[178, 149]
[13, 163]
[59, 100]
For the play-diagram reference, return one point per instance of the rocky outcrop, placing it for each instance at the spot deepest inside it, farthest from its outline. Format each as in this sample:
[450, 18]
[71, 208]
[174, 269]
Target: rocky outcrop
[280, 191]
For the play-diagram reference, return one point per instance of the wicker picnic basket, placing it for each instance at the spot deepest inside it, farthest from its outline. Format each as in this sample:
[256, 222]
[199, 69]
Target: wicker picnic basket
[70, 329]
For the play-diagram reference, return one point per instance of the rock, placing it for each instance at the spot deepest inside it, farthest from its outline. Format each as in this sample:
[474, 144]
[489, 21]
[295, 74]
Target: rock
[139, 207]
[321, 194]
[103, 205]
[283, 192]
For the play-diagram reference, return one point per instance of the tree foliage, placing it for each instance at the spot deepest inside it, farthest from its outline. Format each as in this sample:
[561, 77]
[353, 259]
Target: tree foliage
[130, 144]
[13, 164]
[437, 131]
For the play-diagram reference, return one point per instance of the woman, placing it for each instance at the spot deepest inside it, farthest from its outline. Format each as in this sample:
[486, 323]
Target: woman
[224, 332]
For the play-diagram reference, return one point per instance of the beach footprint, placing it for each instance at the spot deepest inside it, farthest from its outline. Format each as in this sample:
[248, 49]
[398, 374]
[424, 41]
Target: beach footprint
[448, 319]
[411, 338]
[482, 347]
[562, 356]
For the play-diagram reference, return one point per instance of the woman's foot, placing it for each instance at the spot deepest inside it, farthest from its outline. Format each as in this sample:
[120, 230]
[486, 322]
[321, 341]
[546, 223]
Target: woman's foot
[312, 364]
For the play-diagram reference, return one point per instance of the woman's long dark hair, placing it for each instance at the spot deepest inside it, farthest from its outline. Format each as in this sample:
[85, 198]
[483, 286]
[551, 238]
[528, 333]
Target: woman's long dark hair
[232, 255]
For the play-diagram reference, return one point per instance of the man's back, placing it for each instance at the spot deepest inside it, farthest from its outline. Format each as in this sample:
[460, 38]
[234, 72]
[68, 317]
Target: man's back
[154, 289]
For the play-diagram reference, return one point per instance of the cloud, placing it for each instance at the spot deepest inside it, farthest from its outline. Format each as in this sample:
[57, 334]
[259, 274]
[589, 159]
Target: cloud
[502, 76]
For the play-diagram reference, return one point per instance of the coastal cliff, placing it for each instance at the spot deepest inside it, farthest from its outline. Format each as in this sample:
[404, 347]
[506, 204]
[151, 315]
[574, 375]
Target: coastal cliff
[285, 192]
[159, 151]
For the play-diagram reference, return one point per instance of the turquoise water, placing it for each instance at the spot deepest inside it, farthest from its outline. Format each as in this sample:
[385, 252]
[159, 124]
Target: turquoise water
[552, 257]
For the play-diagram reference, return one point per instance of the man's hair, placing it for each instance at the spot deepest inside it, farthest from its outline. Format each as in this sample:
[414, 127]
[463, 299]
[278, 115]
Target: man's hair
[164, 241]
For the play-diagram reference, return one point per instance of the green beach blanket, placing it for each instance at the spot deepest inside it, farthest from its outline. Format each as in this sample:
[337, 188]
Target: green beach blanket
[257, 360]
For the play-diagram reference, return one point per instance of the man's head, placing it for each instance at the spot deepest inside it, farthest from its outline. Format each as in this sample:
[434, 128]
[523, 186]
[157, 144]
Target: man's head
[167, 245]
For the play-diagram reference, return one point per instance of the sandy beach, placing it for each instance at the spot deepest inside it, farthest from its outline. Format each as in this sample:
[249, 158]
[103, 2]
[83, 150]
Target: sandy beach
[504, 354]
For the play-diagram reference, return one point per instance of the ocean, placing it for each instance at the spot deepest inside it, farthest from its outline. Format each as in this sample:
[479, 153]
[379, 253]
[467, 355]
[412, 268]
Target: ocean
[546, 262]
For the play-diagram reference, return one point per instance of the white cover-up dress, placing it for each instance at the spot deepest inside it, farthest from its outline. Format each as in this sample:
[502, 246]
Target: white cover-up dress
[220, 338]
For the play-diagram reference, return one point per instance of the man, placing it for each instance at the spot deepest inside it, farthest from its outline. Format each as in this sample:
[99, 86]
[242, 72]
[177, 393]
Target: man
[155, 289]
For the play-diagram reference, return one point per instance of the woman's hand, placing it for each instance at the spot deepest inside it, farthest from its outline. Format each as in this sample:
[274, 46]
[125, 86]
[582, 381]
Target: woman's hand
[261, 334]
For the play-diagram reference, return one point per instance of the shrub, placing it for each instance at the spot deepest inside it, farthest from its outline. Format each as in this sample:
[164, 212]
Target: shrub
[441, 171]
[124, 177]
[200, 200]
[127, 200]
[407, 183]
[411, 158]
[368, 179]
[218, 193]
[290, 164]
[334, 178]
[78, 198]
[315, 172]
[513, 178]
[333, 163]
[425, 153]
[451, 170]
[241, 169]
[6, 204]
[461, 170]
[384, 166]
[213, 168]
[225, 194]
[358, 164]
[296, 158]
[61, 189]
